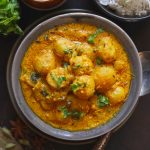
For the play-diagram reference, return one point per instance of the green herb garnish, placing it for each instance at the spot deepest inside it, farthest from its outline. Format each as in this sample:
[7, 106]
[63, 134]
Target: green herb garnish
[75, 114]
[92, 37]
[3, 3]
[34, 77]
[58, 80]
[68, 51]
[102, 101]
[75, 86]
[98, 61]
[65, 111]
[76, 67]
[44, 93]
[9, 16]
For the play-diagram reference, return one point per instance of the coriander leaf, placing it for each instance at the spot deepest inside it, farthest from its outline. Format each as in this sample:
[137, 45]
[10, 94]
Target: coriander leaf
[3, 3]
[92, 37]
[68, 51]
[53, 76]
[65, 111]
[34, 77]
[75, 114]
[98, 61]
[75, 86]
[9, 16]
[102, 101]
[60, 80]
[76, 67]
[44, 93]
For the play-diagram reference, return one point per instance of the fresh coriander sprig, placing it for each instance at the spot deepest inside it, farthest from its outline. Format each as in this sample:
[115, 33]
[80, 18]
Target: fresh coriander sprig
[102, 101]
[68, 51]
[92, 37]
[98, 61]
[65, 111]
[58, 80]
[76, 86]
[9, 16]
[75, 114]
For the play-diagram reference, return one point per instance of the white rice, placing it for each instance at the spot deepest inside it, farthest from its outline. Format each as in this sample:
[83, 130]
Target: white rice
[129, 7]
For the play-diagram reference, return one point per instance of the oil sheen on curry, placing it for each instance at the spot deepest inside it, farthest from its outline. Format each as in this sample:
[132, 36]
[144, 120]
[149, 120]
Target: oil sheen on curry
[75, 76]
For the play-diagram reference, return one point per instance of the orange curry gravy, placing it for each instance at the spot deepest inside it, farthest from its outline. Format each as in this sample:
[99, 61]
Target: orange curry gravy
[75, 76]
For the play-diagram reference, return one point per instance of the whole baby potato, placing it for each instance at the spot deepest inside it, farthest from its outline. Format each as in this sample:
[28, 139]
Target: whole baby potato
[116, 95]
[83, 86]
[85, 49]
[45, 61]
[81, 65]
[104, 77]
[106, 50]
[120, 65]
[59, 78]
[74, 103]
[64, 48]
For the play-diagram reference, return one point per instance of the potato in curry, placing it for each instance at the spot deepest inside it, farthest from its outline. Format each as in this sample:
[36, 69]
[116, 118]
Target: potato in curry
[75, 76]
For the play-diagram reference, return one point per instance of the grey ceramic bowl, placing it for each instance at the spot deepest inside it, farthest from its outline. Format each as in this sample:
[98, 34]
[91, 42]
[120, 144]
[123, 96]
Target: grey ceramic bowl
[23, 108]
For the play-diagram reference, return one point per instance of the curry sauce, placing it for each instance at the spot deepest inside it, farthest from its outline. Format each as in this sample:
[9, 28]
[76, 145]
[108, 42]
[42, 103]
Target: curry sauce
[75, 76]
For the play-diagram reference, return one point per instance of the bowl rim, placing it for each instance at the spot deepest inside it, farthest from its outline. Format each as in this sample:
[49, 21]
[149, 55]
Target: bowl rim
[81, 132]
[128, 19]
[45, 9]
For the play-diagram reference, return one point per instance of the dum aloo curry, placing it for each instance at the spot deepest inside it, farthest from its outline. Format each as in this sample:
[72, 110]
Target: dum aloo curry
[75, 76]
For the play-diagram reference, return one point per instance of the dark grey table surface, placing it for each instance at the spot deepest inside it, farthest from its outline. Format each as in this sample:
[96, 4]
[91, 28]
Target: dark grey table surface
[135, 134]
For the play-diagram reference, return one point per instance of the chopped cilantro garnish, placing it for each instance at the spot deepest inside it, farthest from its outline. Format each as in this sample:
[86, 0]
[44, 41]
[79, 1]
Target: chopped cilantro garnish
[102, 101]
[44, 93]
[34, 77]
[75, 114]
[77, 66]
[58, 80]
[65, 111]
[76, 86]
[68, 51]
[92, 37]
[98, 61]
[9, 17]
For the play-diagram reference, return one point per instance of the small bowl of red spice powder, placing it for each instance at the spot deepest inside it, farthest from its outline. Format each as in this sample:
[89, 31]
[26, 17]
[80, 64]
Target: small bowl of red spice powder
[44, 4]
